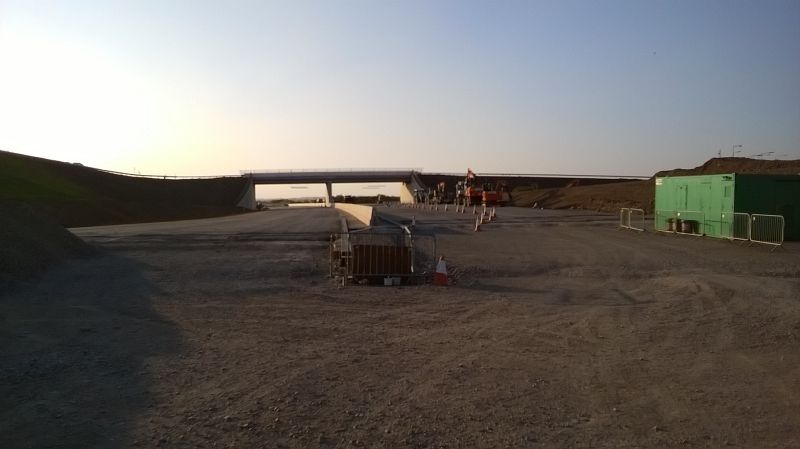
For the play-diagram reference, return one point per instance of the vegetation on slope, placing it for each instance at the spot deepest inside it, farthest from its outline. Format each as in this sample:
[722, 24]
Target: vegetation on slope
[74, 195]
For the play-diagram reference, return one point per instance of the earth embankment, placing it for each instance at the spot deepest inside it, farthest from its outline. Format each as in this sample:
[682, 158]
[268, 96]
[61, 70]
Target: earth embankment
[74, 195]
[609, 197]
[31, 242]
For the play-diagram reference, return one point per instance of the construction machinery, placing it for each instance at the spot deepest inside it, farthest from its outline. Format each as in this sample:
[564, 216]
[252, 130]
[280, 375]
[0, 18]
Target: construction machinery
[495, 194]
[473, 191]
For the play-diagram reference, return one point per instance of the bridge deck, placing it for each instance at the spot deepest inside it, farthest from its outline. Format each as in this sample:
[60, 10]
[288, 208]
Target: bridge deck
[336, 176]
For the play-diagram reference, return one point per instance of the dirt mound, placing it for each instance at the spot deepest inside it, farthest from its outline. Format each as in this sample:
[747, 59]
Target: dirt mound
[75, 195]
[739, 165]
[601, 198]
[30, 242]
[640, 194]
[542, 182]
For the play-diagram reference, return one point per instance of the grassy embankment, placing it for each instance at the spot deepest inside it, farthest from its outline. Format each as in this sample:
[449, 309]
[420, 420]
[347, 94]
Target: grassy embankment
[40, 197]
[74, 195]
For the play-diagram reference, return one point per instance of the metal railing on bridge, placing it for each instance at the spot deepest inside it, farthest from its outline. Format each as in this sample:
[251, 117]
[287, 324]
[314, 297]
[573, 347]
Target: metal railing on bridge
[329, 170]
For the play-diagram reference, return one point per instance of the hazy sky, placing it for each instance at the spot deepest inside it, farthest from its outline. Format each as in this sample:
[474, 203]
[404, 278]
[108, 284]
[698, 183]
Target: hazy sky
[584, 87]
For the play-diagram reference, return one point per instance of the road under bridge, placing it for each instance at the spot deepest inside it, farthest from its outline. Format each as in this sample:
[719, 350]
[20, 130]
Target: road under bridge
[409, 179]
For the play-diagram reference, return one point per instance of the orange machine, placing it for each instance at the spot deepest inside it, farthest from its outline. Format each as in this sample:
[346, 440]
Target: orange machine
[495, 194]
[473, 191]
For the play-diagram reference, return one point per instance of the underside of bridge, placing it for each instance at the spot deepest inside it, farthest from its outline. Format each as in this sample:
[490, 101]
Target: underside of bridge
[409, 182]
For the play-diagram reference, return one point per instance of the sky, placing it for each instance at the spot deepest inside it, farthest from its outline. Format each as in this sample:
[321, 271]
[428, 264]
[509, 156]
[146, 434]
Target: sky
[575, 87]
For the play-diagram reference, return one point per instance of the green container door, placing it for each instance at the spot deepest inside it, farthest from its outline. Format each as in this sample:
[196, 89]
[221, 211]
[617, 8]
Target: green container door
[771, 195]
[787, 203]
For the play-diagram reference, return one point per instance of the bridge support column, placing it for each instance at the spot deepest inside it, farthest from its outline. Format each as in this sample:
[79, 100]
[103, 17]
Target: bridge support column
[329, 196]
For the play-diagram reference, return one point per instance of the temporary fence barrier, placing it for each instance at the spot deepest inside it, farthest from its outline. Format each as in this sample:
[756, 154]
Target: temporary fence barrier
[767, 229]
[664, 221]
[680, 222]
[690, 222]
[741, 226]
[735, 225]
[757, 228]
[624, 217]
[373, 257]
[637, 219]
[630, 218]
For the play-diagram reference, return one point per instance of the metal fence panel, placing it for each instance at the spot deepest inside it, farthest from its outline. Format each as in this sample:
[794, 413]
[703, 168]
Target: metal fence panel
[630, 218]
[664, 220]
[371, 257]
[735, 225]
[624, 217]
[636, 219]
[690, 222]
[759, 228]
[767, 229]
[741, 226]
[680, 222]
[726, 225]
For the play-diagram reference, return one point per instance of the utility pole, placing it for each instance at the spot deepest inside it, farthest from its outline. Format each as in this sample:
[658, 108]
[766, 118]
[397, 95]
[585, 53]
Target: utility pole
[733, 148]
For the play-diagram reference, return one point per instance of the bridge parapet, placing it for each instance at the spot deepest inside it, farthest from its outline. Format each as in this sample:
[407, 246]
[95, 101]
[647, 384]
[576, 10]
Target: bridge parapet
[330, 170]
[330, 176]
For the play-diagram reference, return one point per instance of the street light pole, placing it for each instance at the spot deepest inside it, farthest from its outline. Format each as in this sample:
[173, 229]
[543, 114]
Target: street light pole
[733, 148]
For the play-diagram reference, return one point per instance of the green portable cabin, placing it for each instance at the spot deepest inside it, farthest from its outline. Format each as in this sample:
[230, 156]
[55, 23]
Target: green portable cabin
[707, 202]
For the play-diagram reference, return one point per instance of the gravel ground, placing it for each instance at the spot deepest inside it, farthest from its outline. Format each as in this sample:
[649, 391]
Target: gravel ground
[559, 331]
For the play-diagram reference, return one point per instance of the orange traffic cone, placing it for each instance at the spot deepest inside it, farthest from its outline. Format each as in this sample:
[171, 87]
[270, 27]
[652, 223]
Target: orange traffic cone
[440, 277]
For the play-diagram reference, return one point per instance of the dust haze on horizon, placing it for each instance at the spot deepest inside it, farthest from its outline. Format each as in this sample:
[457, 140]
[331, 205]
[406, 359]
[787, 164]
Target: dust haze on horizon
[212, 88]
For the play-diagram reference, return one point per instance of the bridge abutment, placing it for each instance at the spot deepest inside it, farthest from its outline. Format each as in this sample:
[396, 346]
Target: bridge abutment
[407, 194]
[248, 199]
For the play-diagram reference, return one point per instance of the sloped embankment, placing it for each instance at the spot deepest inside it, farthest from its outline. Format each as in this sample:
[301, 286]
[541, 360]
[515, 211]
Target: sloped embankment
[31, 242]
[640, 194]
[74, 195]
[601, 198]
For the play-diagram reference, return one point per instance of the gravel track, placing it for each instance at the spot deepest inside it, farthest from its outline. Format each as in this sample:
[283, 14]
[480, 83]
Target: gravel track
[559, 331]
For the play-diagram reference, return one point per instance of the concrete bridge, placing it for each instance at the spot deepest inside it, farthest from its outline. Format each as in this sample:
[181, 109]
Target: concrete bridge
[409, 180]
